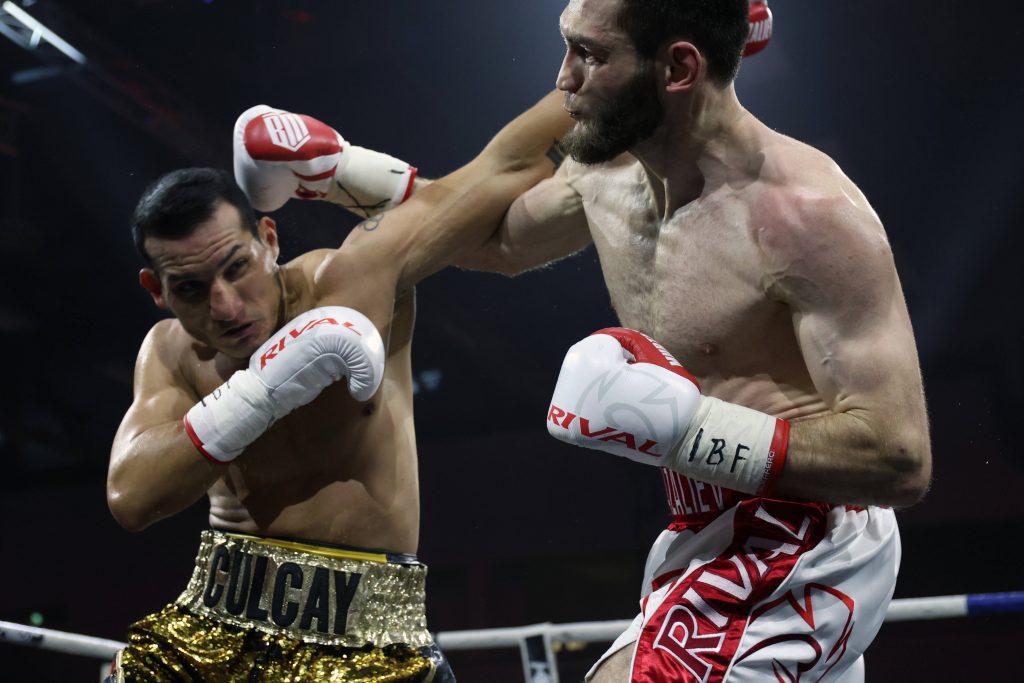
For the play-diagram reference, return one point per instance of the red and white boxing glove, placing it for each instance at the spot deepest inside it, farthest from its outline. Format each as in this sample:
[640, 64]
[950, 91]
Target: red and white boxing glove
[760, 27]
[620, 391]
[311, 352]
[280, 155]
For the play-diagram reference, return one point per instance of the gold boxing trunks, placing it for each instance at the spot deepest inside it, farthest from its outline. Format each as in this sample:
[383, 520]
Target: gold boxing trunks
[262, 609]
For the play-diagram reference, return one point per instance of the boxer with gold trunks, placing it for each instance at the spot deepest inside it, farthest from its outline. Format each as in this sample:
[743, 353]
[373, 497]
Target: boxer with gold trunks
[289, 611]
[284, 395]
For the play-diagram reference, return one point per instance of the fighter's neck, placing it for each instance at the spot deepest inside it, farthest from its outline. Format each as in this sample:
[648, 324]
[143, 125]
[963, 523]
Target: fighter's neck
[293, 292]
[693, 148]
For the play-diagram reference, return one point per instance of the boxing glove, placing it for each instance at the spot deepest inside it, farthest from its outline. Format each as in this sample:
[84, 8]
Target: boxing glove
[289, 370]
[621, 392]
[279, 155]
[760, 27]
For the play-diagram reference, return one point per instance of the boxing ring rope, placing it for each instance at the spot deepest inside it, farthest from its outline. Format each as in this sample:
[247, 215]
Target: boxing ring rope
[535, 641]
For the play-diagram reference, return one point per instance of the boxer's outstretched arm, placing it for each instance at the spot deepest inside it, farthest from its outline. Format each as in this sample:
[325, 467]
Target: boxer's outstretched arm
[833, 266]
[453, 215]
[154, 470]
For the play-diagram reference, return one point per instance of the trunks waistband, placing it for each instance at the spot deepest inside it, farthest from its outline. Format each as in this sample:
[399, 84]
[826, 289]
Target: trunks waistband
[320, 594]
[693, 504]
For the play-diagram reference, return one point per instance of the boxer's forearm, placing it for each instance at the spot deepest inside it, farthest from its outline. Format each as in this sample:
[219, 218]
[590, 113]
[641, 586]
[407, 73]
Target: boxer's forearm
[155, 475]
[526, 142]
[855, 458]
[462, 211]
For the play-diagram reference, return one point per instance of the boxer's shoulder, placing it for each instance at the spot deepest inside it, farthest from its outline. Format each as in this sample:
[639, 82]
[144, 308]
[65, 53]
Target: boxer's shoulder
[169, 355]
[360, 265]
[802, 192]
[809, 220]
[169, 341]
[789, 164]
[301, 272]
[818, 238]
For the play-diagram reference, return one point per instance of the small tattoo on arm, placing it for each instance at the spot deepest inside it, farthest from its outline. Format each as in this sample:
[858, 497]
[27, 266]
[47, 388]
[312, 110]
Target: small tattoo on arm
[556, 153]
[371, 223]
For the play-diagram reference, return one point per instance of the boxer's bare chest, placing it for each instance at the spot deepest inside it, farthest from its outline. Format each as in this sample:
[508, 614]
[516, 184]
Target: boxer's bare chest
[330, 471]
[694, 280]
[302, 443]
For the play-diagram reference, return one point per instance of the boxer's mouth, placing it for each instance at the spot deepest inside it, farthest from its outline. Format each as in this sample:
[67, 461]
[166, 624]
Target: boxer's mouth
[239, 331]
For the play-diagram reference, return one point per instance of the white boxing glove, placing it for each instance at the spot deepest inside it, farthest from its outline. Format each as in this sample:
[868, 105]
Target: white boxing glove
[314, 350]
[621, 392]
[279, 155]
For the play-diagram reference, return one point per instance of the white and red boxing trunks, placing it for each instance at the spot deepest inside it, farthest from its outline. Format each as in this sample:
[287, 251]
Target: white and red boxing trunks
[753, 589]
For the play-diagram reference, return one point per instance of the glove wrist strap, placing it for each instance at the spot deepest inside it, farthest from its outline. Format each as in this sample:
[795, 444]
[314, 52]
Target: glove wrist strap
[370, 182]
[229, 418]
[732, 446]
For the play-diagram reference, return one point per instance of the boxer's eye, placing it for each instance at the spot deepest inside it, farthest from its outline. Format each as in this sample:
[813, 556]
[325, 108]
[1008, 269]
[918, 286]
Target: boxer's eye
[188, 289]
[236, 269]
[586, 55]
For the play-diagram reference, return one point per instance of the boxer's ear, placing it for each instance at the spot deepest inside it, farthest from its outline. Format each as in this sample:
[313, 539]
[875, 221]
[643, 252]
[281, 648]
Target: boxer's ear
[151, 283]
[684, 65]
[267, 231]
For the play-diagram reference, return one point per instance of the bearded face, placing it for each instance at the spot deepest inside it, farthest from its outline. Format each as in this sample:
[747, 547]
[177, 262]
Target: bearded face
[618, 121]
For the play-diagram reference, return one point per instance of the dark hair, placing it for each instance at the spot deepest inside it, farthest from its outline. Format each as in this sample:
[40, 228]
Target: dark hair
[178, 202]
[718, 28]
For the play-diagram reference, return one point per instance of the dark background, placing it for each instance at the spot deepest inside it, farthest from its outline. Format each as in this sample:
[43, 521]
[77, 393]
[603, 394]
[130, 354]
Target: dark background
[920, 103]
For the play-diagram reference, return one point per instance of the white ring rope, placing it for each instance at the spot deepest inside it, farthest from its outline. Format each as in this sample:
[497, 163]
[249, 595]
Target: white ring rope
[58, 641]
[906, 609]
[579, 632]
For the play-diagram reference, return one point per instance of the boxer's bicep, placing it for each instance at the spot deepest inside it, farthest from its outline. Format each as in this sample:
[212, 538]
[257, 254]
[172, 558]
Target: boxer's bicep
[544, 224]
[160, 395]
[464, 218]
[849, 315]
[154, 469]
[851, 320]
[835, 272]
[859, 358]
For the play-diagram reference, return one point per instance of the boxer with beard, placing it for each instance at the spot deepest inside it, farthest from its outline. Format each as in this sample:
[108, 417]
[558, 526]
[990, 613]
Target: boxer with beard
[765, 363]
